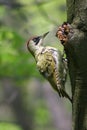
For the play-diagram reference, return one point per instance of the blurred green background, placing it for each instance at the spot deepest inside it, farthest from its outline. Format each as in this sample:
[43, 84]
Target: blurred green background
[27, 101]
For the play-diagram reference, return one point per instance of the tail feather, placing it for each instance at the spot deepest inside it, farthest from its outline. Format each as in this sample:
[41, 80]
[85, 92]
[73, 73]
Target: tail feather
[60, 87]
[62, 93]
[67, 96]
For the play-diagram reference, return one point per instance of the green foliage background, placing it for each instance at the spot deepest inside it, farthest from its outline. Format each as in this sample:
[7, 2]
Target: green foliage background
[17, 25]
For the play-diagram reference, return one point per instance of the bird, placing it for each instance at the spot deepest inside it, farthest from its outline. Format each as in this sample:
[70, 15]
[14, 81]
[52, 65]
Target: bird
[50, 63]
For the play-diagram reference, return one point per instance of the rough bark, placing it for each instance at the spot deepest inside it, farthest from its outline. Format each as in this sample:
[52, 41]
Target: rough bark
[76, 50]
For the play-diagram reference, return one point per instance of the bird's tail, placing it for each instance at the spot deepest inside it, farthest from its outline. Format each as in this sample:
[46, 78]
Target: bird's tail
[63, 93]
[60, 86]
[67, 95]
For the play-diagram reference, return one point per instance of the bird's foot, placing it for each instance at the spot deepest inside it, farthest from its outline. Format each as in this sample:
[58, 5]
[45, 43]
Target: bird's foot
[63, 32]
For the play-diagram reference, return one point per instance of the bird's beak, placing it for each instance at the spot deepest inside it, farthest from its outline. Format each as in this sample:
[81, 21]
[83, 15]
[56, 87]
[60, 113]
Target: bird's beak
[42, 38]
[45, 34]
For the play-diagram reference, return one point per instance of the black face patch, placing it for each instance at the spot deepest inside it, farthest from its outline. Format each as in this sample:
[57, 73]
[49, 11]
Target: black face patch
[36, 40]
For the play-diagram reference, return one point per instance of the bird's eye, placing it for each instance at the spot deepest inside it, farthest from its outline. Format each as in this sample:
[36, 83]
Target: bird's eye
[36, 40]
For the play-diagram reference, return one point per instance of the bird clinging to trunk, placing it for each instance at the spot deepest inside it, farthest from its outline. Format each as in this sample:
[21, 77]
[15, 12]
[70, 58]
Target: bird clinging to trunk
[50, 63]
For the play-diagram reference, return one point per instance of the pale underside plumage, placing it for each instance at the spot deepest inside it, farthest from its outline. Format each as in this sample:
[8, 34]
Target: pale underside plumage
[50, 64]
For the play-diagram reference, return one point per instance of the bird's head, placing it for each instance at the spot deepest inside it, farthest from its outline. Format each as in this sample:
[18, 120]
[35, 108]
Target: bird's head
[35, 42]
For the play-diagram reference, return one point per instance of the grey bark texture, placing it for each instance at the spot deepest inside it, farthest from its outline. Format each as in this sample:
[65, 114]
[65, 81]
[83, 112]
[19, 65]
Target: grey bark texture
[76, 51]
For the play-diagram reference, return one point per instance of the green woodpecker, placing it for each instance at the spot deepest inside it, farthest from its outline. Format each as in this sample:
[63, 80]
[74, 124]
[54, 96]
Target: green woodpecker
[50, 63]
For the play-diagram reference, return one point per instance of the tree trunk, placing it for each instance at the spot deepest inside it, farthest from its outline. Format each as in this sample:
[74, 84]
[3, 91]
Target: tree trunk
[76, 50]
